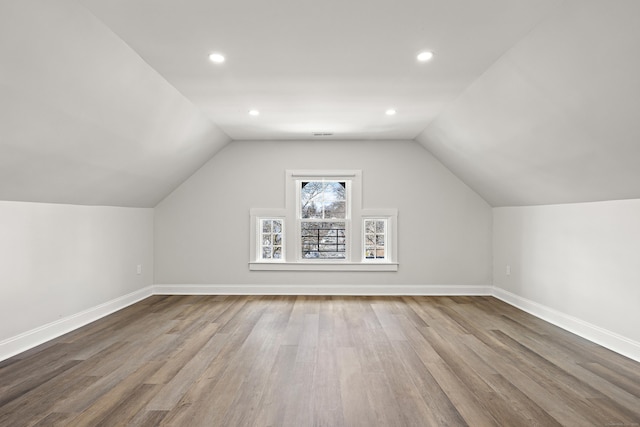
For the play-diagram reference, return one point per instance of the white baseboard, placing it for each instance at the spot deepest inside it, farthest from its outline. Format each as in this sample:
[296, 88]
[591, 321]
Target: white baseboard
[593, 333]
[27, 340]
[244, 289]
[17, 344]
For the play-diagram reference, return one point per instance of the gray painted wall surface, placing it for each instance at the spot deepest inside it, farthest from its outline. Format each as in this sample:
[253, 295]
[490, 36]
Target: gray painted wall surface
[59, 260]
[580, 259]
[202, 229]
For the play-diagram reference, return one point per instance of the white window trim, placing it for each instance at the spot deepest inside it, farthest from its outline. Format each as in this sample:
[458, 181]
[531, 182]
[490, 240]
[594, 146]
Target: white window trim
[391, 240]
[292, 251]
[255, 250]
[299, 220]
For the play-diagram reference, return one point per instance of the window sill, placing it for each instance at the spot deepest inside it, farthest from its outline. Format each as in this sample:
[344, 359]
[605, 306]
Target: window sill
[323, 266]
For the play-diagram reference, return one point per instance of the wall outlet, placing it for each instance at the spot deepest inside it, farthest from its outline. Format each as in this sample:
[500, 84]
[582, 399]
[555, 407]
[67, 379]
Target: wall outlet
[508, 270]
[139, 269]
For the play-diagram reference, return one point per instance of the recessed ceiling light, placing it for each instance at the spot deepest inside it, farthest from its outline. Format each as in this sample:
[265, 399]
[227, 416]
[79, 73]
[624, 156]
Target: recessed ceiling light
[390, 112]
[216, 58]
[254, 112]
[425, 56]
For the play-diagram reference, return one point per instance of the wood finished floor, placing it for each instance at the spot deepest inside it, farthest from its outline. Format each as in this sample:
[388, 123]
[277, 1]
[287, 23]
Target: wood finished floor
[319, 361]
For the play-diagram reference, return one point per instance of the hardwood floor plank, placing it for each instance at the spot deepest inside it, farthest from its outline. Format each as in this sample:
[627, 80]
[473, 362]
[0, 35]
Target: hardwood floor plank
[327, 400]
[128, 407]
[465, 402]
[442, 412]
[353, 394]
[520, 378]
[33, 382]
[319, 361]
[618, 379]
[118, 397]
[171, 393]
[273, 402]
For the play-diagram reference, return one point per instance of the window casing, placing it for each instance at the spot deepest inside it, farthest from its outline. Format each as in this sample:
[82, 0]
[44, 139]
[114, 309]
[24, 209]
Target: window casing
[324, 227]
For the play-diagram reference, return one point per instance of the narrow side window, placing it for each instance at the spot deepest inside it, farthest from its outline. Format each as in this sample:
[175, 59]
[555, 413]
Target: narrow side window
[375, 239]
[271, 239]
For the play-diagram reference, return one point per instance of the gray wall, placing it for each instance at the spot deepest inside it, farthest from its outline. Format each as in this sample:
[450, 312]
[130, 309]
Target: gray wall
[59, 260]
[582, 260]
[202, 228]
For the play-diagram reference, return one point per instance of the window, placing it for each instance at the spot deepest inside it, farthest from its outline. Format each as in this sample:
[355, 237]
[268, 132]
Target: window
[375, 237]
[323, 227]
[322, 219]
[271, 242]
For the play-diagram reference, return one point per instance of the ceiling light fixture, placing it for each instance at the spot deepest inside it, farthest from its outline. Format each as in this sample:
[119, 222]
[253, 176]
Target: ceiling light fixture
[425, 56]
[390, 112]
[216, 58]
[254, 112]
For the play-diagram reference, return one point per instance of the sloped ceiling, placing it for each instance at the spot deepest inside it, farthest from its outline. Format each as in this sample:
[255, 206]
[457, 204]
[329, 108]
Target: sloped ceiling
[330, 66]
[83, 119]
[557, 118]
[114, 102]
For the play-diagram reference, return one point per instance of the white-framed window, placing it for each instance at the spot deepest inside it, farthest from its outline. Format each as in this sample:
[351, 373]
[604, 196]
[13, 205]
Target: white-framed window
[375, 239]
[323, 227]
[271, 239]
[323, 218]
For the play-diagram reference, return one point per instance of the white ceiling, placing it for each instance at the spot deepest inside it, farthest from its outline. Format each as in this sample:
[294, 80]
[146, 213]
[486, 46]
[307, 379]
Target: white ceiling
[321, 66]
[557, 118]
[114, 102]
[83, 119]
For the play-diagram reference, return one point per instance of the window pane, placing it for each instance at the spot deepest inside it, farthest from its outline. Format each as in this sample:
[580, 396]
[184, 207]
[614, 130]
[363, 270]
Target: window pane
[309, 227]
[270, 238]
[335, 210]
[323, 240]
[374, 238]
[311, 199]
[370, 226]
[322, 199]
[335, 190]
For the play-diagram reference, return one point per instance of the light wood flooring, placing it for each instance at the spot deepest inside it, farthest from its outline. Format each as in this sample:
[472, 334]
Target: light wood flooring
[319, 361]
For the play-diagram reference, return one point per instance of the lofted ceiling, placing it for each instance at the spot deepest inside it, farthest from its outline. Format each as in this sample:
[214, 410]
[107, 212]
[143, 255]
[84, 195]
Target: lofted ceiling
[115, 102]
[83, 119]
[330, 66]
[557, 118]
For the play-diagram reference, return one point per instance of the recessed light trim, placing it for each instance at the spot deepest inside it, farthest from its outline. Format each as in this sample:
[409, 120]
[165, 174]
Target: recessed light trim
[391, 112]
[254, 113]
[216, 58]
[425, 56]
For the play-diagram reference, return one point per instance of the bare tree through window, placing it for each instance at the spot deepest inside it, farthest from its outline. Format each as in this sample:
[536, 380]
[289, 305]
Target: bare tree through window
[321, 204]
